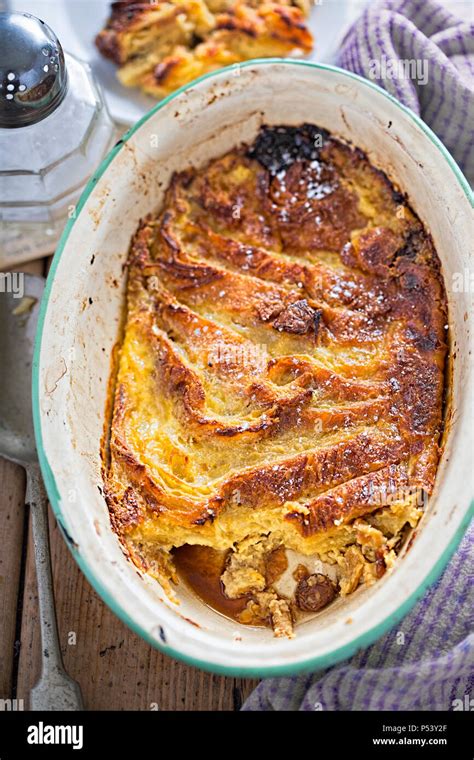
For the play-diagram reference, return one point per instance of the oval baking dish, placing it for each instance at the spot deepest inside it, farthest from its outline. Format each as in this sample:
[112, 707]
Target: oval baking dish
[81, 319]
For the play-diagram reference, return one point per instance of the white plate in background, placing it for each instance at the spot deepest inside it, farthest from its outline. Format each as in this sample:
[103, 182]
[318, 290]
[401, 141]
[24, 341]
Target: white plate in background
[76, 22]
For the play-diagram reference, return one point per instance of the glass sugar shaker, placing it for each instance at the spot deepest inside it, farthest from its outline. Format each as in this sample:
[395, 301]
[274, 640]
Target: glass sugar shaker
[54, 131]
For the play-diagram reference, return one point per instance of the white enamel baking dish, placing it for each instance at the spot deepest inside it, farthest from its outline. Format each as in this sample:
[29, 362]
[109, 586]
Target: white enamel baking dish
[79, 326]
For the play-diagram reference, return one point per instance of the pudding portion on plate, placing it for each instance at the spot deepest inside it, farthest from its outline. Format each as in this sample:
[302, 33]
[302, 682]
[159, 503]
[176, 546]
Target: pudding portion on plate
[160, 46]
[277, 405]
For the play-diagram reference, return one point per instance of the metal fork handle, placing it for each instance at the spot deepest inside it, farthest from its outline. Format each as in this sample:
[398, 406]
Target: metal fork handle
[55, 690]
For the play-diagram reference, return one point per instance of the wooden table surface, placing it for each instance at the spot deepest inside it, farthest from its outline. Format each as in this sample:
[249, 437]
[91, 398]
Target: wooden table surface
[115, 668]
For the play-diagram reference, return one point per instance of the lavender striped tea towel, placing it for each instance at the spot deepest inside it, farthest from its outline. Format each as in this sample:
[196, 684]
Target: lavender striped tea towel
[425, 663]
[423, 55]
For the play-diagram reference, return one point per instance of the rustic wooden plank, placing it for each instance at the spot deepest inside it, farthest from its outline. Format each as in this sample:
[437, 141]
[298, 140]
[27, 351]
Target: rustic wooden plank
[116, 669]
[12, 534]
[12, 526]
[32, 267]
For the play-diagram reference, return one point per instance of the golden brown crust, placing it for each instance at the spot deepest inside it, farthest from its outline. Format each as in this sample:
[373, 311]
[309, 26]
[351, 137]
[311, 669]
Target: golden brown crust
[162, 45]
[283, 359]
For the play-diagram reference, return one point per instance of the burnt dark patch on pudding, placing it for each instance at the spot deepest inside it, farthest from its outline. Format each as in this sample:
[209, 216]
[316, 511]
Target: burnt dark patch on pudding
[277, 148]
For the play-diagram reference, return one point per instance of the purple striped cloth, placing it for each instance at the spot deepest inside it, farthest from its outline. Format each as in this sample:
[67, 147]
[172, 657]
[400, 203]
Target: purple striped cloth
[425, 663]
[424, 56]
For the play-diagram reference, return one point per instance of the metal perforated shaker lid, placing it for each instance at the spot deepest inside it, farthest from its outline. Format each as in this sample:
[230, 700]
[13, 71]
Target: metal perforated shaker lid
[33, 75]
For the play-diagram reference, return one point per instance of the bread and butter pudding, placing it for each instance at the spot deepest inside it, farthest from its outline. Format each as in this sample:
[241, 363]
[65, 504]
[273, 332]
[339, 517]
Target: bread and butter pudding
[162, 45]
[278, 396]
